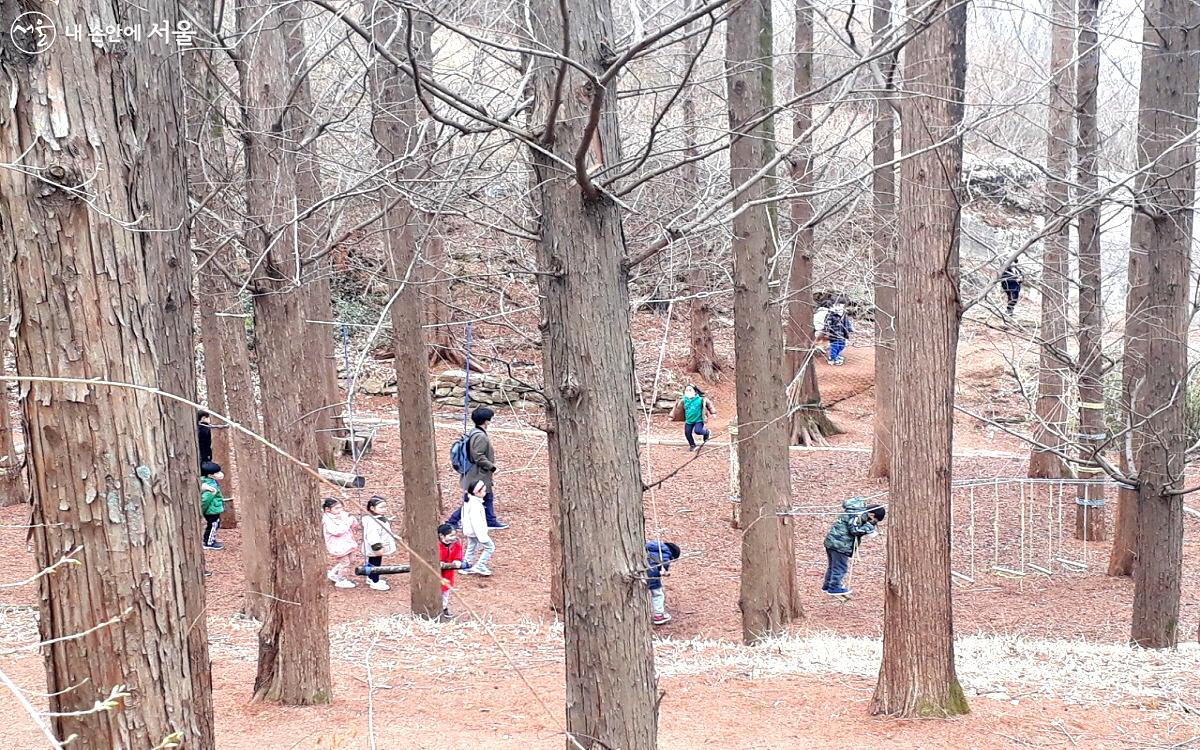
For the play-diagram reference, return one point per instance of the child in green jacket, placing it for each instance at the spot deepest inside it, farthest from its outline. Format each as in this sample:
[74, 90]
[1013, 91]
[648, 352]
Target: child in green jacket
[212, 502]
[856, 521]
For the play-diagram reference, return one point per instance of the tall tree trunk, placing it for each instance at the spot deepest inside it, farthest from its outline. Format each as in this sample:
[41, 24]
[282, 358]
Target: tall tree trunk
[12, 485]
[554, 496]
[113, 469]
[610, 691]
[223, 334]
[917, 676]
[809, 423]
[312, 234]
[1161, 238]
[883, 250]
[214, 386]
[444, 345]
[293, 654]
[702, 359]
[396, 128]
[1051, 410]
[1089, 508]
[764, 481]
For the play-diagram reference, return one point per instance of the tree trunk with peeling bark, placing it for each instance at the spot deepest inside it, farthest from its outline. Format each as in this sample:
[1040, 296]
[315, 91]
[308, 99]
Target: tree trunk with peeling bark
[12, 484]
[1089, 509]
[396, 127]
[611, 696]
[917, 677]
[293, 654]
[764, 480]
[809, 423]
[702, 357]
[113, 469]
[883, 250]
[1159, 309]
[1051, 411]
[326, 399]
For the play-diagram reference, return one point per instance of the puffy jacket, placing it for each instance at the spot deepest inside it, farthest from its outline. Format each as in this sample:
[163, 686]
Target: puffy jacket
[377, 530]
[448, 555]
[850, 525]
[339, 532]
[474, 519]
[658, 561]
[838, 326]
[212, 502]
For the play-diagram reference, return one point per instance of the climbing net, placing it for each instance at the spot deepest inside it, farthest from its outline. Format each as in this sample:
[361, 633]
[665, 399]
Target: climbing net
[1012, 527]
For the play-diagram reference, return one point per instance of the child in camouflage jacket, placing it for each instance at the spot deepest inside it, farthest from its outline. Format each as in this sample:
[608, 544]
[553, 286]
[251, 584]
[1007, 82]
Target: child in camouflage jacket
[856, 521]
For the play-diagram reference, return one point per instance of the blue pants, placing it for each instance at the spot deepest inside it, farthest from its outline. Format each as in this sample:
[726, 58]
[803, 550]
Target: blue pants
[489, 510]
[836, 347]
[695, 428]
[836, 571]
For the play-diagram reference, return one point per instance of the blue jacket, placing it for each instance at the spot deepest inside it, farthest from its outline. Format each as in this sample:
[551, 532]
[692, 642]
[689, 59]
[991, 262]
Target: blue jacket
[658, 560]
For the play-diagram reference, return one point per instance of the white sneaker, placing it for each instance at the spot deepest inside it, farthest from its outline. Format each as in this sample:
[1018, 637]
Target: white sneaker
[329, 574]
[344, 584]
[481, 570]
[378, 586]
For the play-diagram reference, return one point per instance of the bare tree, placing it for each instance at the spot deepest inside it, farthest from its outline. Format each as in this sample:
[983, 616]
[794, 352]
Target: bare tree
[1158, 308]
[1089, 509]
[398, 129]
[610, 692]
[809, 423]
[93, 195]
[917, 676]
[293, 659]
[311, 236]
[764, 480]
[883, 248]
[1051, 422]
[704, 360]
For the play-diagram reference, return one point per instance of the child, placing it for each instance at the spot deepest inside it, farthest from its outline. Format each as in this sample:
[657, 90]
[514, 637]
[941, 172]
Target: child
[659, 556]
[695, 408]
[838, 328]
[338, 525]
[378, 539]
[852, 525]
[450, 555]
[475, 529]
[1010, 283]
[212, 502]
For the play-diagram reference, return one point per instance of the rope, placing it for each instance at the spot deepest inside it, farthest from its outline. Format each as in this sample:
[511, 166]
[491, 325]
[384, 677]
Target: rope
[467, 379]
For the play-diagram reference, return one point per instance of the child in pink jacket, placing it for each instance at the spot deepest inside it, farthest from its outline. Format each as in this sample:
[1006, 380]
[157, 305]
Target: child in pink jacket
[339, 526]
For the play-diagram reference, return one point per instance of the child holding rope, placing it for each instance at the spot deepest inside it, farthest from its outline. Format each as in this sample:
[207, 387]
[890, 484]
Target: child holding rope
[856, 521]
[450, 557]
[659, 556]
[378, 539]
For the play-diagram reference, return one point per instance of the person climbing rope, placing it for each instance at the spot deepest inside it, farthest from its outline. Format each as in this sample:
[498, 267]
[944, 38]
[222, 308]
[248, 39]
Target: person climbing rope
[695, 408]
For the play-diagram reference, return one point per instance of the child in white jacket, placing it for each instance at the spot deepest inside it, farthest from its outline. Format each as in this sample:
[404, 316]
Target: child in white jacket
[475, 529]
[378, 539]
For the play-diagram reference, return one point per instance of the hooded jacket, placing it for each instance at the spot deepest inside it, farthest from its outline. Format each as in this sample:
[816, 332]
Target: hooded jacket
[658, 561]
[474, 519]
[850, 526]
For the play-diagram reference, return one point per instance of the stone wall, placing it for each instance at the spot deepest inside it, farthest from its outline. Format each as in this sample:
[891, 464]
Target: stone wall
[447, 389]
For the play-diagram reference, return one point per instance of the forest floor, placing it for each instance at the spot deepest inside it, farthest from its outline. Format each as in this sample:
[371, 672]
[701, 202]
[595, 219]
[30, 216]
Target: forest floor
[1041, 656]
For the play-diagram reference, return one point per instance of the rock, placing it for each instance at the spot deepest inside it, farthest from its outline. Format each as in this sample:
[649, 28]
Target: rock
[452, 376]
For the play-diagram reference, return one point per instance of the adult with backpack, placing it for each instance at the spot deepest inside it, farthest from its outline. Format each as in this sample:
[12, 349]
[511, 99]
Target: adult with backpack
[473, 457]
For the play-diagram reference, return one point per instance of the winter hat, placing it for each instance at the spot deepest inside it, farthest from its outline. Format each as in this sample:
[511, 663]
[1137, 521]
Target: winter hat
[879, 512]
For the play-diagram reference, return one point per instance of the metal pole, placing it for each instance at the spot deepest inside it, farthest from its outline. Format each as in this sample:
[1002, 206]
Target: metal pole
[467, 381]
